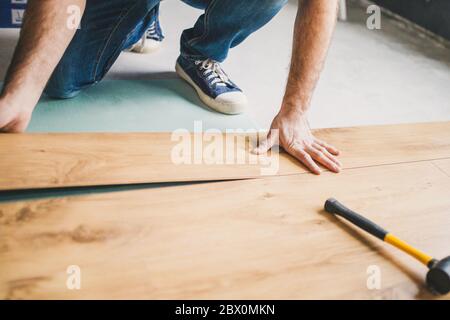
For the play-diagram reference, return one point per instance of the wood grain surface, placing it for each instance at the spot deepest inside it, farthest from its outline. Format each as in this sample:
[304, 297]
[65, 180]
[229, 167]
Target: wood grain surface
[443, 165]
[88, 159]
[252, 239]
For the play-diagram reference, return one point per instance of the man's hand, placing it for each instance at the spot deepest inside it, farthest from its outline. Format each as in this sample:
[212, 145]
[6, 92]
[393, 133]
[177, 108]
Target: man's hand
[13, 119]
[290, 129]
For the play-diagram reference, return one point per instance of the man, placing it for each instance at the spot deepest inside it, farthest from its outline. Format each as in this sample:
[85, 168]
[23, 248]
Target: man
[60, 61]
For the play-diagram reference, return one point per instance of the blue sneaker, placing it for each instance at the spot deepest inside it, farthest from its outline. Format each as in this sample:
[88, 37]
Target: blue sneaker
[212, 84]
[151, 40]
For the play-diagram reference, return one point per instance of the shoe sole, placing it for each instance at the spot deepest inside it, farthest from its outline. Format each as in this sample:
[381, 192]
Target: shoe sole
[230, 108]
[146, 49]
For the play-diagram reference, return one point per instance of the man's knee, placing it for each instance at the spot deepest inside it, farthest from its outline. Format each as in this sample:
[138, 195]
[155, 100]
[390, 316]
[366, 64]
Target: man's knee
[61, 91]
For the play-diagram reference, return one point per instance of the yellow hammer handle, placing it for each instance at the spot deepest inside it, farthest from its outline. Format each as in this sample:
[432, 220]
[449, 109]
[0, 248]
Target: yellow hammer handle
[402, 245]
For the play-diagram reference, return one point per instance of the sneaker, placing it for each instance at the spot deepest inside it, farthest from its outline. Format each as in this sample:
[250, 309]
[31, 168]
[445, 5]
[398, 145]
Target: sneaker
[212, 84]
[151, 40]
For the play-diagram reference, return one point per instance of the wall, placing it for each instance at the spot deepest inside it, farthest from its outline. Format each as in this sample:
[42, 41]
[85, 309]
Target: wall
[433, 15]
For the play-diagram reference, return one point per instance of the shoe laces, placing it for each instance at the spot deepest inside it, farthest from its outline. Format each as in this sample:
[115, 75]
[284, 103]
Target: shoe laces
[213, 72]
[151, 31]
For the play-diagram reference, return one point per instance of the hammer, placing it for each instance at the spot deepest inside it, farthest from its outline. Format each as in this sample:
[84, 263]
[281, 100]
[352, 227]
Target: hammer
[438, 275]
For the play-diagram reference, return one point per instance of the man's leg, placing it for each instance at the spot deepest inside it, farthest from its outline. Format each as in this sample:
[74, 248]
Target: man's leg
[224, 25]
[107, 28]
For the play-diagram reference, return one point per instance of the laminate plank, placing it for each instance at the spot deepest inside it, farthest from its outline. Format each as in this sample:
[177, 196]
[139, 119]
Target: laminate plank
[443, 165]
[90, 159]
[253, 239]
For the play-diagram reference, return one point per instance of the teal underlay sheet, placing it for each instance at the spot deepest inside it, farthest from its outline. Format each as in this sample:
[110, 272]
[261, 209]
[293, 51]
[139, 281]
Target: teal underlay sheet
[125, 106]
[132, 106]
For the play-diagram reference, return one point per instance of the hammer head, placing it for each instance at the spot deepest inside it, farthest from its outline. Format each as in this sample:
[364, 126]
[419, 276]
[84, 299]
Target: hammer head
[438, 277]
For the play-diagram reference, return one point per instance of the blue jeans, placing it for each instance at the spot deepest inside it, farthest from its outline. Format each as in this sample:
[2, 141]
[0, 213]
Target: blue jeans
[109, 27]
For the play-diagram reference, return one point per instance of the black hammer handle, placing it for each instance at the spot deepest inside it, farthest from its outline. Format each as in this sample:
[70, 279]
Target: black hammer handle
[334, 206]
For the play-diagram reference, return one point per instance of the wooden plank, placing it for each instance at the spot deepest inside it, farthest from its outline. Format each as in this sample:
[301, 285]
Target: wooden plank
[443, 165]
[254, 239]
[64, 160]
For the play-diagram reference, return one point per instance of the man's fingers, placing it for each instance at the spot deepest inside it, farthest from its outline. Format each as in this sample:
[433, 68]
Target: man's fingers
[265, 145]
[327, 153]
[322, 159]
[333, 150]
[306, 159]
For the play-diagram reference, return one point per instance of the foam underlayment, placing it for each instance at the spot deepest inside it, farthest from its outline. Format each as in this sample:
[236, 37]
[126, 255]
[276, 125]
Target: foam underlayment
[132, 106]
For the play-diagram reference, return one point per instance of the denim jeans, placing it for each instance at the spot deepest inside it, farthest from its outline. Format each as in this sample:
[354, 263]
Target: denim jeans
[109, 27]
